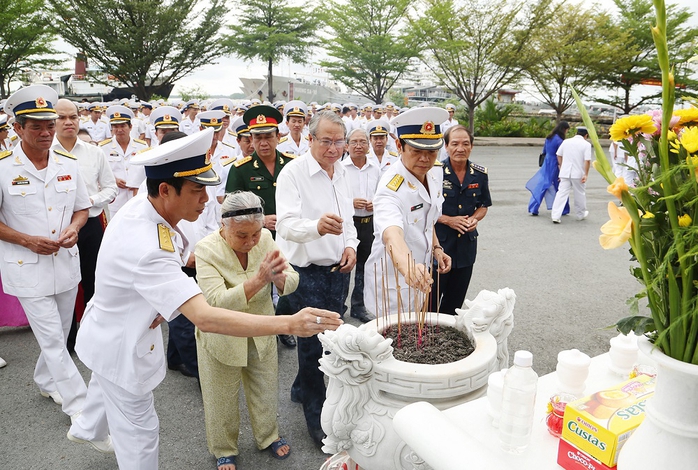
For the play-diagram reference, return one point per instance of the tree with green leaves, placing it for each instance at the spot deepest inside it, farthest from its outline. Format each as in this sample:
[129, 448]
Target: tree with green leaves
[143, 43]
[635, 17]
[575, 48]
[476, 47]
[270, 30]
[25, 38]
[369, 47]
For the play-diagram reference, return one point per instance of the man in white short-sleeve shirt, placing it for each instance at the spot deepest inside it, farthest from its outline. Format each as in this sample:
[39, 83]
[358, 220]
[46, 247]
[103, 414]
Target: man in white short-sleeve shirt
[574, 160]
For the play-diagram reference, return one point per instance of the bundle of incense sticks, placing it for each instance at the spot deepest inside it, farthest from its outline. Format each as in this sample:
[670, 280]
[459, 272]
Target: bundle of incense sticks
[418, 301]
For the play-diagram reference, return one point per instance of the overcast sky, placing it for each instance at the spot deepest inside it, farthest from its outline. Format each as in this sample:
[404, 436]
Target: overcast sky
[222, 78]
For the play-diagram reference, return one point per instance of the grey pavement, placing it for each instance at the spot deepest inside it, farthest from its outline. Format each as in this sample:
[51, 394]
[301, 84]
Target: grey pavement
[568, 289]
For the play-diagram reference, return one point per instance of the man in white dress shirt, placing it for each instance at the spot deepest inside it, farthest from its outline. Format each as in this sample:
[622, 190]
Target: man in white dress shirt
[43, 206]
[316, 232]
[189, 125]
[363, 176]
[378, 132]
[101, 188]
[574, 160]
[294, 143]
[98, 129]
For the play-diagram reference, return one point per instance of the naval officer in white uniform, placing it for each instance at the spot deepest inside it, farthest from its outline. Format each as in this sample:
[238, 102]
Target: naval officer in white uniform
[406, 206]
[43, 206]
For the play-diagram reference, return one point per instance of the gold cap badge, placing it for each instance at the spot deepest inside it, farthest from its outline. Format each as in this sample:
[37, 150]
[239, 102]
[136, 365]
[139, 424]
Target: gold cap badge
[427, 128]
[40, 103]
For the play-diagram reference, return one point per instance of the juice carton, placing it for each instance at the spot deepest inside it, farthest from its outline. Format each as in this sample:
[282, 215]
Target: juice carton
[600, 424]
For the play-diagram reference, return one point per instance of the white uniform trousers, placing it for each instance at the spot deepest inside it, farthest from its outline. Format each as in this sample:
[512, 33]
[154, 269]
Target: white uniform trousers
[563, 192]
[130, 419]
[49, 318]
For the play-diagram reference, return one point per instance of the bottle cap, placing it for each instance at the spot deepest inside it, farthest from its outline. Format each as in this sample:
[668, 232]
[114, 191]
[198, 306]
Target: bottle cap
[523, 358]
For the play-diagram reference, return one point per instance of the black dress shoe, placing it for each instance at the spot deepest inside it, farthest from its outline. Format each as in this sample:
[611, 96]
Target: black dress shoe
[183, 369]
[288, 340]
[363, 316]
[318, 435]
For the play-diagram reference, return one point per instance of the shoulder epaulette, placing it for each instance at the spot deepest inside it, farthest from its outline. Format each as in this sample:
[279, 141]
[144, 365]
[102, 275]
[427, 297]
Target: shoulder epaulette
[228, 162]
[438, 163]
[65, 154]
[13, 138]
[225, 143]
[307, 137]
[5, 154]
[104, 142]
[140, 141]
[234, 134]
[480, 168]
[165, 238]
[243, 161]
[145, 150]
[395, 183]
[288, 155]
[394, 154]
[283, 139]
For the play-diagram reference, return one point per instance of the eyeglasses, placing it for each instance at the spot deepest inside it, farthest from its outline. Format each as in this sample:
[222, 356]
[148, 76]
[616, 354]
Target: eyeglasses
[357, 143]
[329, 143]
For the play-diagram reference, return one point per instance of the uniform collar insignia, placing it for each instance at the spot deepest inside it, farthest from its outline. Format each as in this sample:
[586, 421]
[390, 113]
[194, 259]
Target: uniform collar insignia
[411, 186]
[447, 171]
[255, 164]
[18, 161]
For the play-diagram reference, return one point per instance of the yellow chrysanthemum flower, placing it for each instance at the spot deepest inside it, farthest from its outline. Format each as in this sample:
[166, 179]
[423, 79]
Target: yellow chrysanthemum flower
[689, 139]
[685, 220]
[617, 187]
[693, 161]
[630, 126]
[648, 215]
[687, 115]
[616, 231]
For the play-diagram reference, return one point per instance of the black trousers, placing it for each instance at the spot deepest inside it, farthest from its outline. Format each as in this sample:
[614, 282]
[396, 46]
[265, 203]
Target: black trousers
[452, 287]
[364, 231]
[181, 343]
[320, 288]
[89, 241]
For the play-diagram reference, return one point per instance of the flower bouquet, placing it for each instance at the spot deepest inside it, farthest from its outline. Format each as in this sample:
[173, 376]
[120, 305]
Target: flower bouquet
[659, 213]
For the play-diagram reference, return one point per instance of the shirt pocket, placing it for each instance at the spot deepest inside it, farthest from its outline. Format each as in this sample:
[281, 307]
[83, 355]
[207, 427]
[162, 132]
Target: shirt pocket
[148, 360]
[22, 267]
[25, 199]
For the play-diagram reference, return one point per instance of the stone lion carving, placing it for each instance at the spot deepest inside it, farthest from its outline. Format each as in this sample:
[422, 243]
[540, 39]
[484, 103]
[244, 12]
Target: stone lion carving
[493, 311]
[348, 413]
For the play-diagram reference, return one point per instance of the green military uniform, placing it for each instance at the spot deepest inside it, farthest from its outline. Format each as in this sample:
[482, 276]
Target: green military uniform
[250, 174]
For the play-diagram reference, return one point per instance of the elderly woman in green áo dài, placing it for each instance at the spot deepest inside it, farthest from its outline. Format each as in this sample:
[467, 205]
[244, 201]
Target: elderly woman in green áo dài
[235, 269]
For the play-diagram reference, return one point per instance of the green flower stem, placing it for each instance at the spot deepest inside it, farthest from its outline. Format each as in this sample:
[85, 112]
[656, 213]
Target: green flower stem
[677, 336]
[603, 166]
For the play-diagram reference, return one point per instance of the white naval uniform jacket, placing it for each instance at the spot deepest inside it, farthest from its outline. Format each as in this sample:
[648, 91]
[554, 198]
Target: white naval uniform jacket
[139, 274]
[39, 206]
[403, 203]
[288, 145]
[120, 163]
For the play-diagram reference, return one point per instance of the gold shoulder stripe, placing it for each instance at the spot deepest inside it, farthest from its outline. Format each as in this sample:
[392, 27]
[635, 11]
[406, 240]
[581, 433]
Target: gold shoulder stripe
[394, 154]
[227, 144]
[288, 155]
[480, 168]
[283, 139]
[5, 154]
[438, 163]
[395, 183]
[243, 161]
[228, 162]
[104, 142]
[13, 138]
[165, 238]
[140, 141]
[65, 154]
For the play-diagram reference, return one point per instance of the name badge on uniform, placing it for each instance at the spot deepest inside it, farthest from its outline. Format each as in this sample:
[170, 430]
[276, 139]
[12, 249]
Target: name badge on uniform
[417, 207]
[256, 178]
[473, 186]
[20, 181]
[64, 178]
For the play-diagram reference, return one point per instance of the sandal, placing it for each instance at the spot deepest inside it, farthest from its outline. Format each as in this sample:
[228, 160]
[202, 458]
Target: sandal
[276, 445]
[229, 460]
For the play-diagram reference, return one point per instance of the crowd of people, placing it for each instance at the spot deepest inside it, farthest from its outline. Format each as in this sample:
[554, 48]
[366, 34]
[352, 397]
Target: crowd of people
[248, 220]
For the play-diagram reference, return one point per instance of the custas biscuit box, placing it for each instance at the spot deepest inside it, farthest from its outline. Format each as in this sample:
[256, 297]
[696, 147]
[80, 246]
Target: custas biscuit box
[599, 424]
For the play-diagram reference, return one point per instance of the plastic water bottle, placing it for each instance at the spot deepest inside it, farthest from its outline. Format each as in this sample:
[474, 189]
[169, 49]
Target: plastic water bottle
[518, 402]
